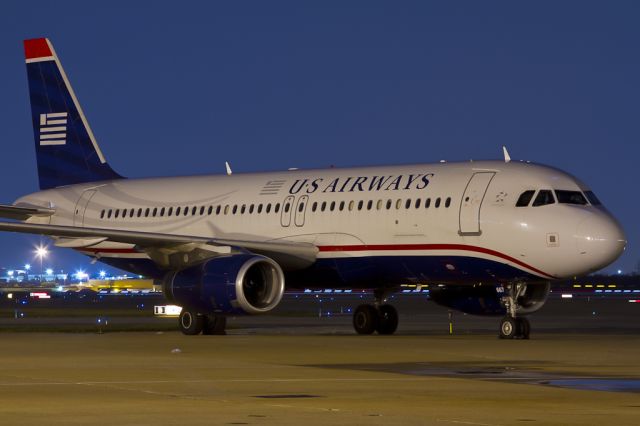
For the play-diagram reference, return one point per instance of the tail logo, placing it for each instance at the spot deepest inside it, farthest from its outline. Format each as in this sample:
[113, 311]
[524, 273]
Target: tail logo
[53, 128]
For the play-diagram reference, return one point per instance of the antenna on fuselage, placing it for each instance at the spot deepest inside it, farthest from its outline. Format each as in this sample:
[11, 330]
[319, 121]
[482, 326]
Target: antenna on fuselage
[226, 164]
[507, 157]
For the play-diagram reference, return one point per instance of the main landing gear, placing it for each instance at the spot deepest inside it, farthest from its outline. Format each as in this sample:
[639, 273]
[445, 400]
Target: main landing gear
[192, 323]
[512, 326]
[379, 317]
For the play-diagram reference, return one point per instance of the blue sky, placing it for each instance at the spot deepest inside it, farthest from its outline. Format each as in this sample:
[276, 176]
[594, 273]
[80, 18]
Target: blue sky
[176, 88]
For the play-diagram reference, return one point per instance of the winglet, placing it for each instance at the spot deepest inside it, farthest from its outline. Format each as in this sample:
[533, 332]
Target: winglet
[507, 158]
[226, 163]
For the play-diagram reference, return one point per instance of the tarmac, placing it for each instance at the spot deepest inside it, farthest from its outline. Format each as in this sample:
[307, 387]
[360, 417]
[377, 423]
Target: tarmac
[292, 371]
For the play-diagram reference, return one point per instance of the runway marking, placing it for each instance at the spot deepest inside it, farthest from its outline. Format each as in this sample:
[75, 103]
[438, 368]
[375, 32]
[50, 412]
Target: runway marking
[463, 422]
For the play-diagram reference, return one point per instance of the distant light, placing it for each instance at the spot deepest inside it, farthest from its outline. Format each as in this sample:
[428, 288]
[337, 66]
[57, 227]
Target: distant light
[10, 296]
[27, 266]
[567, 296]
[619, 271]
[102, 274]
[81, 275]
[49, 271]
[10, 273]
[41, 251]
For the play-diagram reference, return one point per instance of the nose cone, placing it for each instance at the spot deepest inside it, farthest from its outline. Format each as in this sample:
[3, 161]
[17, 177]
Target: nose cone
[600, 241]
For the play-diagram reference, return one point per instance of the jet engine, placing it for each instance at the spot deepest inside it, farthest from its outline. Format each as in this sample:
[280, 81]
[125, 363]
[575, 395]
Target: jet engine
[487, 299]
[236, 284]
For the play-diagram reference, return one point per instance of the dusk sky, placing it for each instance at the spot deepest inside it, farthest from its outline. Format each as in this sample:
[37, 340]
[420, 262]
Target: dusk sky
[173, 88]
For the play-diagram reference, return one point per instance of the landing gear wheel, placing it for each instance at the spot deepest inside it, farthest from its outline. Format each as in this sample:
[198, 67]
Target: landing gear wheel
[365, 319]
[508, 328]
[190, 322]
[524, 328]
[214, 324]
[387, 319]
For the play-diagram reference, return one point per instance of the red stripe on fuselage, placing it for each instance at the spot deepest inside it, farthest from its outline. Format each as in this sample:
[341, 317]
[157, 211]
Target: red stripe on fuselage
[408, 247]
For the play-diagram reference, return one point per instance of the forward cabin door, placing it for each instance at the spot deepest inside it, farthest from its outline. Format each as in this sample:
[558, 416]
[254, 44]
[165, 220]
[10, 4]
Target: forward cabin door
[81, 207]
[301, 208]
[472, 202]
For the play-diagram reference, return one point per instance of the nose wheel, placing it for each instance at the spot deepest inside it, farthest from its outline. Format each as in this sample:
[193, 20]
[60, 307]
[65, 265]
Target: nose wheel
[515, 328]
[512, 326]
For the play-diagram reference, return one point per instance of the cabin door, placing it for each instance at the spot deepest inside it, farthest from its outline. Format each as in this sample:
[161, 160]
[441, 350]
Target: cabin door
[287, 209]
[301, 208]
[472, 202]
[81, 207]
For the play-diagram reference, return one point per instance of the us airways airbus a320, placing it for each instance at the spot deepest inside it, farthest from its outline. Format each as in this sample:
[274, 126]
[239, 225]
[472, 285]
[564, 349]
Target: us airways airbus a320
[494, 233]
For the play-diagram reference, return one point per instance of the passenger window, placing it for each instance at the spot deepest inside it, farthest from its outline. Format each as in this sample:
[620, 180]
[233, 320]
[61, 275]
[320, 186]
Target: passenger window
[448, 202]
[300, 207]
[244, 207]
[146, 212]
[226, 209]
[210, 210]
[276, 208]
[341, 205]
[202, 211]
[251, 208]
[360, 204]
[170, 212]
[592, 198]
[525, 198]
[351, 204]
[131, 212]
[389, 203]
[407, 204]
[543, 198]
[178, 211]
[193, 210]
[269, 208]
[162, 211]
[139, 212]
[437, 205]
[570, 197]
[234, 209]
[418, 203]
[186, 210]
[102, 214]
[323, 206]
[109, 214]
[427, 203]
[398, 203]
[117, 213]
[369, 204]
[379, 205]
[259, 208]
[333, 206]
[314, 206]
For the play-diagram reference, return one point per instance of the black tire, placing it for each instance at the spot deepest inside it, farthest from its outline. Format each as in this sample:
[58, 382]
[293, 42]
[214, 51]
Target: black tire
[190, 322]
[508, 328]
[387, 320]
[214, 325]
[524, 328]
[365, 319]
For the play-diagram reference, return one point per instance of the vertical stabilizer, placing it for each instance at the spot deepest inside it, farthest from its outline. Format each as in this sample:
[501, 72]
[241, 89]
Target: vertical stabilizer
[66, 149]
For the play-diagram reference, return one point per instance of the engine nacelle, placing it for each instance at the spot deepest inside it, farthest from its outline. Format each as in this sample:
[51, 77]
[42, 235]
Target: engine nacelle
[237, 284]
[487, 299]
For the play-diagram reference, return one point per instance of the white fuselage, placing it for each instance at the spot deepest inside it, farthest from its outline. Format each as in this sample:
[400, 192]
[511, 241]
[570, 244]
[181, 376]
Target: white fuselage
[456, 212]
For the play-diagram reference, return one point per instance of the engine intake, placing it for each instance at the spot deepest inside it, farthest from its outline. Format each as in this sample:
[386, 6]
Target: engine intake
[237, 284]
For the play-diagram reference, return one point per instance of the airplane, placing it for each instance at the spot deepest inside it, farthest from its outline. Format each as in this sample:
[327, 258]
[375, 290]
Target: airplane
[491, 234]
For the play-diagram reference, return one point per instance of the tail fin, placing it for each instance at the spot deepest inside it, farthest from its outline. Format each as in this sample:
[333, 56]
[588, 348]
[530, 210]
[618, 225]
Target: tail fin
[66, 150]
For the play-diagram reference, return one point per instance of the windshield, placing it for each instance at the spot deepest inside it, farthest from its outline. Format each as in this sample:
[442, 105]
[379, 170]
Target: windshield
[570, 197]
[543, 198]
[592, 198]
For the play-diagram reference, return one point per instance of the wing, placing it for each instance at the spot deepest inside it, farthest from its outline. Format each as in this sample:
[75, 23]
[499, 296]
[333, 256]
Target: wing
[168, 250]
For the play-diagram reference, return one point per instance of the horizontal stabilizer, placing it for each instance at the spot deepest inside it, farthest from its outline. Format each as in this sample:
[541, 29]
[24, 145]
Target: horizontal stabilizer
[23, 211]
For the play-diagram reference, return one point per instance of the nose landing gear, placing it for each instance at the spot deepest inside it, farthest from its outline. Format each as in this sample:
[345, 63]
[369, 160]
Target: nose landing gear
[512, 326]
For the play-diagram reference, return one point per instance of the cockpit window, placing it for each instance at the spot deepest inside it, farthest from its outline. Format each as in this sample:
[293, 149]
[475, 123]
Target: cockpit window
[543, 198]
[592, 198]
[525, 198]
[570, 197]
